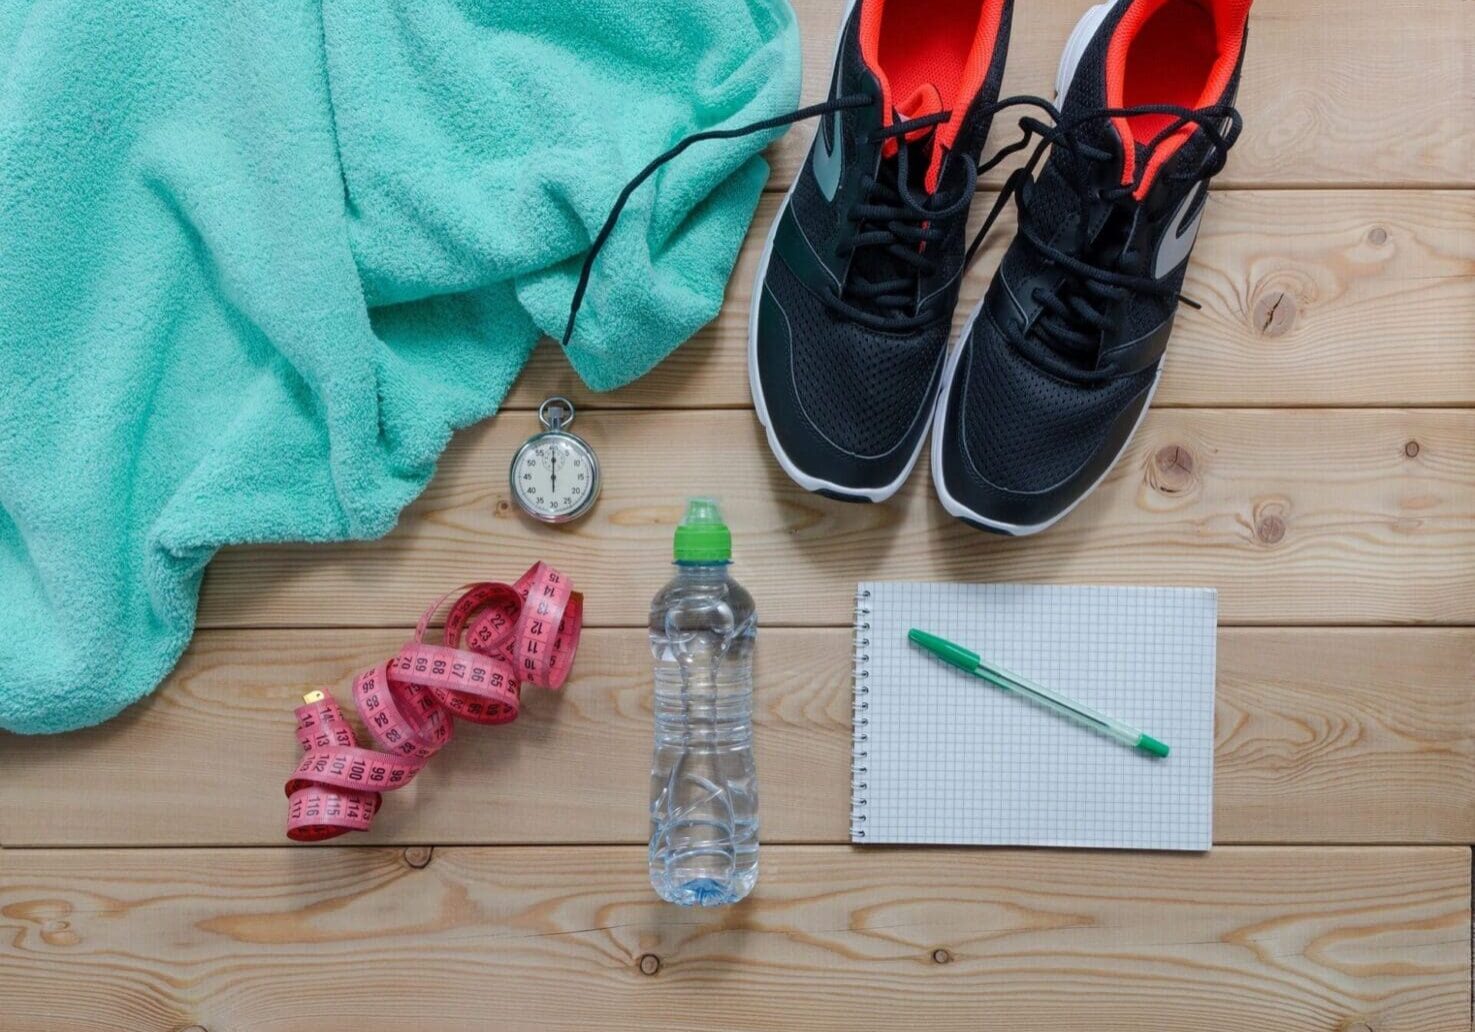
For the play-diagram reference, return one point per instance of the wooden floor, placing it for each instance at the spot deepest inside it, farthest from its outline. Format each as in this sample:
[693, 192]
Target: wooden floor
[1312, 455]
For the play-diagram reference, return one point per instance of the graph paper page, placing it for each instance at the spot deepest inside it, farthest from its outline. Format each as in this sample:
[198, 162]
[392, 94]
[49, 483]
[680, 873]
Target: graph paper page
[943, 757]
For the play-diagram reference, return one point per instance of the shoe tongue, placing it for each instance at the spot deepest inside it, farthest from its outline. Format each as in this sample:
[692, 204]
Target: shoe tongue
[1139, 149]
[924, 100]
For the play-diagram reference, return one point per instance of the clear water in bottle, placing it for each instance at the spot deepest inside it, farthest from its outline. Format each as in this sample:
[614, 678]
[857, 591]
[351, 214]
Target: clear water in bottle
[703, 784]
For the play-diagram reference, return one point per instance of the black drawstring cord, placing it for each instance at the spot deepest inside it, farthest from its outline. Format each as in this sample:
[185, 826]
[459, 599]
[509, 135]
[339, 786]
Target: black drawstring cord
[812, 111]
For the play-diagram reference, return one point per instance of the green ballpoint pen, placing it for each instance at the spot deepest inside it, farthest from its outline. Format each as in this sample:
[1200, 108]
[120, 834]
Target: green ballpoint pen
[956, 655]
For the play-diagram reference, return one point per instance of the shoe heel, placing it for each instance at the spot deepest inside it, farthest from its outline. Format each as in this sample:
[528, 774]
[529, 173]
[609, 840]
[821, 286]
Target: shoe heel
[1075, 47]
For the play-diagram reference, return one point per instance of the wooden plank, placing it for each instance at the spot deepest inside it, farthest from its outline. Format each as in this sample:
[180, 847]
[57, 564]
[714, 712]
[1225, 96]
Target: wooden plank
[1330, 735]
[1296, 516]
[1334, 91]
[1338, 297]
[1238, 940]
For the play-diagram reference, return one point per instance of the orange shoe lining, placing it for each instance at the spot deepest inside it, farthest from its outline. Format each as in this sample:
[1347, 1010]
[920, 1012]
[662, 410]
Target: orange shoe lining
[1179, 52]
[911, 45]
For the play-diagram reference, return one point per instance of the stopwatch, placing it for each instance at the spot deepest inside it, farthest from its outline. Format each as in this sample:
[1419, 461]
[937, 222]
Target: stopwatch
[555, 474]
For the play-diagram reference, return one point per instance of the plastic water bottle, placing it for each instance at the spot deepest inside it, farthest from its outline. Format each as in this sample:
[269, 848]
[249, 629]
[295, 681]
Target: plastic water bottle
[703, 784]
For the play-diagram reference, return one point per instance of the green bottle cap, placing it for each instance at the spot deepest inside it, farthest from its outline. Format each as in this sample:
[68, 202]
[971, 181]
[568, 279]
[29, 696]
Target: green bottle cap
[701, 536]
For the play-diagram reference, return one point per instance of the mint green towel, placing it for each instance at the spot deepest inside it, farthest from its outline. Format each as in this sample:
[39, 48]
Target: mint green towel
[258, 259]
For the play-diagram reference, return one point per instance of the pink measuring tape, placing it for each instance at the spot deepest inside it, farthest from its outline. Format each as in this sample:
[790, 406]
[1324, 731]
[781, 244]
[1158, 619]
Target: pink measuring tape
[514, 633]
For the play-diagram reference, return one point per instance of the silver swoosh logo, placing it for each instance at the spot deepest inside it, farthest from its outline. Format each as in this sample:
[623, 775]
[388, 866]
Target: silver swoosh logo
[1177, 242]
[827, 156]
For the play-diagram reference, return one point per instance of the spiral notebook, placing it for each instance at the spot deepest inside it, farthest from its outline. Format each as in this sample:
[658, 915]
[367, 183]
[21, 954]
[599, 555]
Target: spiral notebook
[942, 757]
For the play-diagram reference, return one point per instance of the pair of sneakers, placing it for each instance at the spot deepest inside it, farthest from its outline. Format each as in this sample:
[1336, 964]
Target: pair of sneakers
[848, 356]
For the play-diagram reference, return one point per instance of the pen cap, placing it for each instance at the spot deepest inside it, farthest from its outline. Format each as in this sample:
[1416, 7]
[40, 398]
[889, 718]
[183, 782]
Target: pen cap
[944, 649]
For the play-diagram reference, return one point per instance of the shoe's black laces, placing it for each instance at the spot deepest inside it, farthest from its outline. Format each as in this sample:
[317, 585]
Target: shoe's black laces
[812, 111]
[1065, 338]
[891, 217]
[894, 219]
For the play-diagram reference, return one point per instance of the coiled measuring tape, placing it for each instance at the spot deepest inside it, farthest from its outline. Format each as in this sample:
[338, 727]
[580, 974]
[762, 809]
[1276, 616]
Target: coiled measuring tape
[527, 632]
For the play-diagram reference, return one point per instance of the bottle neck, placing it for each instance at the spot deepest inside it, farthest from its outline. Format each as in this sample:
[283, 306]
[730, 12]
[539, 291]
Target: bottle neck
[700, 571]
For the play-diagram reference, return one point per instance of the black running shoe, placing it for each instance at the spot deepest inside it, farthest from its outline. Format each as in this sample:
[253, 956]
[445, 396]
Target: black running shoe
[853, 302]
[1059, 362]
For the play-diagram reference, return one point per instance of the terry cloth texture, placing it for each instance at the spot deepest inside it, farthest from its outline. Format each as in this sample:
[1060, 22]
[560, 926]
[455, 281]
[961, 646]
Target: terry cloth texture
[258, 259]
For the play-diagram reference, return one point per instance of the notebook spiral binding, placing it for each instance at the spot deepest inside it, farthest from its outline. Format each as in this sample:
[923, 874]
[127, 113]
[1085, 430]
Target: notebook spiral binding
[860, 716]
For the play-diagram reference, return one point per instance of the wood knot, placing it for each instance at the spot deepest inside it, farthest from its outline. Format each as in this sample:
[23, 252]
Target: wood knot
[941, 957]
[1275, 313]
[59, 933]
[1377, 236]
[650, 964]
[1357, 1026]
[503, 507]
[419, 856]
[194, 1028]
[1171, 470]
[1411, 449]
[1270, 529]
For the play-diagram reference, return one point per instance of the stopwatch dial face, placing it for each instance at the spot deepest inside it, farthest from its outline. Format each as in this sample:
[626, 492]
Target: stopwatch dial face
[554, 476]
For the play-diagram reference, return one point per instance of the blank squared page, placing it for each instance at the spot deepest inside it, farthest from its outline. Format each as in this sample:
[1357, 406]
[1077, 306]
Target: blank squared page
[950, 759]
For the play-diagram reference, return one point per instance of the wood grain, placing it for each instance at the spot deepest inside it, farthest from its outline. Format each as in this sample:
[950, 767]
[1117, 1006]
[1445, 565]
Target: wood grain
[1328, 735]
[1276, 469]
[272, 940]
[1314, 297]
[1296, 516]
[1335, 92]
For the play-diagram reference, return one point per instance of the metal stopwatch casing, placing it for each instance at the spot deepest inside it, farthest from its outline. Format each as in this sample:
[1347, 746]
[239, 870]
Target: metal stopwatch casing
[555, 474]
